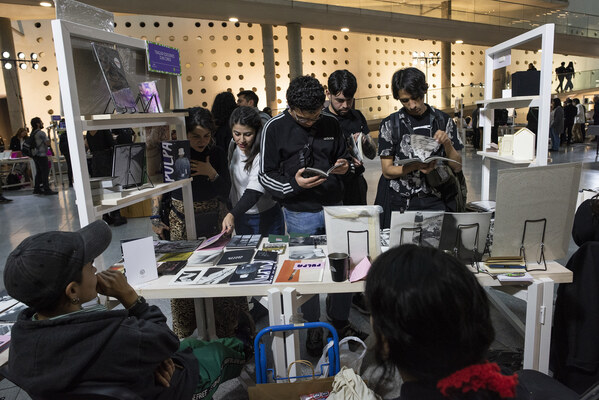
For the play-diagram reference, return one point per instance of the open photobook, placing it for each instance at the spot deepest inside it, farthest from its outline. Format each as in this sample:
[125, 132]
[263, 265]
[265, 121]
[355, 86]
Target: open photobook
[310, 172]
[423, 147]
[115, 77]
[128, 164]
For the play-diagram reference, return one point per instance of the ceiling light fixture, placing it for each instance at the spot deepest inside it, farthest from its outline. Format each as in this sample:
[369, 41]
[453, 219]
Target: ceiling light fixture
[45, 4]
[234, 19]
[459, 41]
[344, 29]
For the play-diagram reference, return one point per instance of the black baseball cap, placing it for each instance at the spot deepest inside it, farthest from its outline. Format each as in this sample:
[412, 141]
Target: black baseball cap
[40, 268]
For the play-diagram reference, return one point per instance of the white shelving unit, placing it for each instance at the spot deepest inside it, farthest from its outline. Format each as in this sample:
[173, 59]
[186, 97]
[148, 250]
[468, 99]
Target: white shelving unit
[546, 34]
[64, 34]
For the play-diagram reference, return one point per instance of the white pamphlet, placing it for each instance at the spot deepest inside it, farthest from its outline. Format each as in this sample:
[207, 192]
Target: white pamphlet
[140, 261]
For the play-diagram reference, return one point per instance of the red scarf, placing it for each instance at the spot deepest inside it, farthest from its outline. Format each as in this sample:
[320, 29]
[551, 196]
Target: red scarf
[480, 376]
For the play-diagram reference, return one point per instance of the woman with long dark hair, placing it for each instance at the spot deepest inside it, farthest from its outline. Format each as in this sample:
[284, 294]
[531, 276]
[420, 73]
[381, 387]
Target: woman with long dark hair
[254, 210]
[222, 107]
[210, 187]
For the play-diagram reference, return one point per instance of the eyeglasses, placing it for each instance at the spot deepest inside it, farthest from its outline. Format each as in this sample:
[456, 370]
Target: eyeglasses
[304, 120]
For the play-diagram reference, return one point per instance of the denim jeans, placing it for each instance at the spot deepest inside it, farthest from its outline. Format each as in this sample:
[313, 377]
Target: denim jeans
[554, 139]
[312, 223]
[266, 223]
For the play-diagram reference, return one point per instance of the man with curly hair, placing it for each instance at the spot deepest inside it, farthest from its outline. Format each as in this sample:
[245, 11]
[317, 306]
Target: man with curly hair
[298, 138]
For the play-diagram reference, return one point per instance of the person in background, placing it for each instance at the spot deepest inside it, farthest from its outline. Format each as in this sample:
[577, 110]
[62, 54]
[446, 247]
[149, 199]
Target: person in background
[557, 123]
[53, 274]
[16, 142]
[342, 86]
[101, 145]
[249, 98]
[16, 145]
[42, 174]
[569, 74]
[254, 211]
[222, 107]
[561, 73]
[210, 189]
[476, 129]
[579, 120]
[267, 111]
[531, 67]
[570, 112]
[595, 110]
[63, 145]
[434, 325]
[301, 137]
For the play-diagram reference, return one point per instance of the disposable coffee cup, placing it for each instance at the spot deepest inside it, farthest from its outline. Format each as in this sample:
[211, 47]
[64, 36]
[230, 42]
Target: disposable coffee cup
[339, 265]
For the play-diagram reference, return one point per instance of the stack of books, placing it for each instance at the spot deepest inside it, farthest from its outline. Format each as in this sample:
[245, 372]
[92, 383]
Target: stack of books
[504, 264]
[103, 188]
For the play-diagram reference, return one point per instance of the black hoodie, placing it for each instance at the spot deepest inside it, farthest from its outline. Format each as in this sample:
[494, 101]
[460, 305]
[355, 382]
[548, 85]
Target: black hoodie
[120, 348]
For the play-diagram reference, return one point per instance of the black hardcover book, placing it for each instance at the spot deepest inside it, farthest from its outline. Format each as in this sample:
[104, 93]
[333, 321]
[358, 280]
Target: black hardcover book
[177, 246]
[256, 273]
[171, 267]
[236, 257]
[175, 160]
[262, 255]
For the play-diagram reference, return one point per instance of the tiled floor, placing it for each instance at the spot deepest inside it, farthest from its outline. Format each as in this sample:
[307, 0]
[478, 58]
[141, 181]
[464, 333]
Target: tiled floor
[29, 214]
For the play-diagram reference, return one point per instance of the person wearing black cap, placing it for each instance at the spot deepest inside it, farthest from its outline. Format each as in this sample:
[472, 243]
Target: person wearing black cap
[57, 345]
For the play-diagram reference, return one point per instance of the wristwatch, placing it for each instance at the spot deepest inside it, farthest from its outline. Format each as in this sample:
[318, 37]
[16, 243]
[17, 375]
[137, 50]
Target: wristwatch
[140, 300]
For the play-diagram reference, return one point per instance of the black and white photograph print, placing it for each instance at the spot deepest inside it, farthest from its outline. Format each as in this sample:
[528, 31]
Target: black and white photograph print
[187, 277]
[216, 275]
[300, 240]
[422, 228]
[305, 253]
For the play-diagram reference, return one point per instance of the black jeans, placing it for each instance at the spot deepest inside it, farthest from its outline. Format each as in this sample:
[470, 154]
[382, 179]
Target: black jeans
[41, 174]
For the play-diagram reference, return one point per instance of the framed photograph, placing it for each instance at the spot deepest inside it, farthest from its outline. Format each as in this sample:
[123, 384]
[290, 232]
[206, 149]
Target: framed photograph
[128, 164]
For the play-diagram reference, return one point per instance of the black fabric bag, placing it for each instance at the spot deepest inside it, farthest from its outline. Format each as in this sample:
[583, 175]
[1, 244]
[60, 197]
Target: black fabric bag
[29, 147]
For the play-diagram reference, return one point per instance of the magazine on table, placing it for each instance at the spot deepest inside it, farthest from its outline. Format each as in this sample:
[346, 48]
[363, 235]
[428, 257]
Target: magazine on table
[216, 276]
[171, 267]
[236, 257]
[187, 276]
[262, 255]
[175, 257]
[305, 253]
[278, 248]
[254, 273]
[299, 271]
[204, 258]
[178, 246]
[244, 242]
[300, 239]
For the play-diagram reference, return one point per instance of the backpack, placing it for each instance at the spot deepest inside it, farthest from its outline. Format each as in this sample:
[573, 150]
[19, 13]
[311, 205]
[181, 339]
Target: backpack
[29, 147]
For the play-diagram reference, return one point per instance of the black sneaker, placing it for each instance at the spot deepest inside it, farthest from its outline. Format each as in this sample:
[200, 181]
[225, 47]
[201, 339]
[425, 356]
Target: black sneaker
[347, 329]
[314, 342]
[37, 191]
[49, 192]
[358, 301]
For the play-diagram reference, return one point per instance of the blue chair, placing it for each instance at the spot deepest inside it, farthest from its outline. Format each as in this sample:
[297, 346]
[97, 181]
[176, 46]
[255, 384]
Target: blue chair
[260, 350]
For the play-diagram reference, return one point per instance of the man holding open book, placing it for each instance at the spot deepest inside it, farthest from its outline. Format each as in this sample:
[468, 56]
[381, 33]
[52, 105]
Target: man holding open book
[419, 149]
